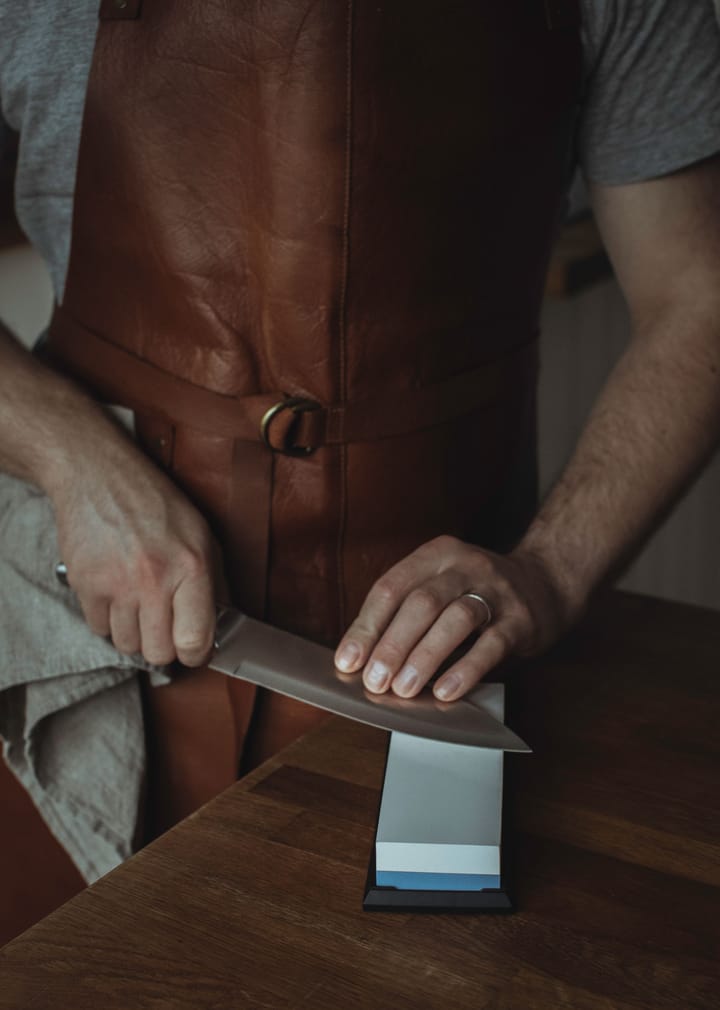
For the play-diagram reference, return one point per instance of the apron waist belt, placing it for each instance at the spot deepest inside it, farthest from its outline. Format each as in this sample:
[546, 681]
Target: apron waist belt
[287, 423]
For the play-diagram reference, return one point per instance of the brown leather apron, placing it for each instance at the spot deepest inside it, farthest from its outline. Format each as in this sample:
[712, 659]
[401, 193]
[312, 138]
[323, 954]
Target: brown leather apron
[308, 251]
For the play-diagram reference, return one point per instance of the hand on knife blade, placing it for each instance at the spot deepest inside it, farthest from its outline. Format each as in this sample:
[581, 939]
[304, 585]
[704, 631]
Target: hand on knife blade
[293, 666]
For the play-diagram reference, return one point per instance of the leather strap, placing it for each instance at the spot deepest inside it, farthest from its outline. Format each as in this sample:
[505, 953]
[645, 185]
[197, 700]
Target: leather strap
[118, 376]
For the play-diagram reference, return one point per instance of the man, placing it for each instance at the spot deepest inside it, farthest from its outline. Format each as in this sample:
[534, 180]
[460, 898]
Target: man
[351, 208]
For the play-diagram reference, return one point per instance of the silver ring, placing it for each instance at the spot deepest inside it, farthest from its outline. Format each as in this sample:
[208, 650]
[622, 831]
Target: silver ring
[480, 599]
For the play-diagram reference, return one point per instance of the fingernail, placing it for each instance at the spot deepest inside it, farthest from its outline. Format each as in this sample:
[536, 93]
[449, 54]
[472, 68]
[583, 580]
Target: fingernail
[448, 687]
[348, 656]
[377, 676]
[406, 680]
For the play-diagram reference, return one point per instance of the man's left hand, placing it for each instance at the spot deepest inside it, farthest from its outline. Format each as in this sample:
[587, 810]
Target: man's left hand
[416, 615]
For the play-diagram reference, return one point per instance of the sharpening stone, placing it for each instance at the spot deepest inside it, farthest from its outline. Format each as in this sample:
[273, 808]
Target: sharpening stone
[438, 841]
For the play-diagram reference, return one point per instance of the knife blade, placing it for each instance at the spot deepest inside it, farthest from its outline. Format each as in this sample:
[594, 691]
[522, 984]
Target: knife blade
[291, 665]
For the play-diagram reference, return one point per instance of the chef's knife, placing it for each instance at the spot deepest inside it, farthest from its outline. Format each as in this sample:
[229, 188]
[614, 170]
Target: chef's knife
[290, 665]
[283, 662]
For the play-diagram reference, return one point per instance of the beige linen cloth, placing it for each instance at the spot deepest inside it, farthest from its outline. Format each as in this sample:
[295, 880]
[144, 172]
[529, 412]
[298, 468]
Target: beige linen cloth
[70, 708]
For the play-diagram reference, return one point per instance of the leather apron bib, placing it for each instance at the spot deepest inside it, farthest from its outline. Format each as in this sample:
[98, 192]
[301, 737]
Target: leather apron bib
[308, 250]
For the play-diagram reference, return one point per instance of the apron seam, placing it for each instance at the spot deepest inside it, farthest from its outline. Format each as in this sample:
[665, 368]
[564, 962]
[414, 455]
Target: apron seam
[342, 517]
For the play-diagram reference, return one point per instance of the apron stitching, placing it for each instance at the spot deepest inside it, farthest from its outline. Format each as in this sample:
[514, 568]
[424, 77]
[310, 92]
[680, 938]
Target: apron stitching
[343, 311]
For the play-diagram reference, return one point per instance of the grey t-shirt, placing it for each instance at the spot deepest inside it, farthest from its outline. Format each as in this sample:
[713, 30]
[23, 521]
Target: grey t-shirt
[651, 102]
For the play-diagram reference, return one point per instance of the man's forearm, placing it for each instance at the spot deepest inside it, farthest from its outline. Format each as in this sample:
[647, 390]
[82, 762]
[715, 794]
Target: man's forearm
[45, 419]
[654, 424]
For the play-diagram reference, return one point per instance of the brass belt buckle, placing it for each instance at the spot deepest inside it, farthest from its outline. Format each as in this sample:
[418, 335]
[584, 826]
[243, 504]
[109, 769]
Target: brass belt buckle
[298, 405]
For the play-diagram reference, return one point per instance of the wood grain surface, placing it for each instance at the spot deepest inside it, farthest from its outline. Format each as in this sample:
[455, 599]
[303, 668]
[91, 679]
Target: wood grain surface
[255, 901]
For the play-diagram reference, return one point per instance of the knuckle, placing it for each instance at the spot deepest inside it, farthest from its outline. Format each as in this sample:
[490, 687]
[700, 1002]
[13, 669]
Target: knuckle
[385, 591]
[425, 659]
[363, 626]
[484, 562]
[390, 653]
[150, 569]
[524, 615]
[503, 585]
[125, 645]
[499, 637]
[193, 563]
[526, 633]
[155, 570]
[426, 599]
[357, 632]
[157, 646]
[445, 543]
[95, 583]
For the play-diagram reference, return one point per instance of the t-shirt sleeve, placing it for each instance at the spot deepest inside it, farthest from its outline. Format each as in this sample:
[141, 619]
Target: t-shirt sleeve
[652, 90]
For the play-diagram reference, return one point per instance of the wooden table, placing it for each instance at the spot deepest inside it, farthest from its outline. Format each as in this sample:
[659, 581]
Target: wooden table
[254, 902]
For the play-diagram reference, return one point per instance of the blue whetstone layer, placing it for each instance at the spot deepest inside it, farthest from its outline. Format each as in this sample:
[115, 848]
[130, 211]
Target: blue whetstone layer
[436, 881]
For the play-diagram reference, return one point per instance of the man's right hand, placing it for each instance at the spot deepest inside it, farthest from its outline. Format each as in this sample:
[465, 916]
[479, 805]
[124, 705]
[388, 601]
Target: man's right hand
[138, 554]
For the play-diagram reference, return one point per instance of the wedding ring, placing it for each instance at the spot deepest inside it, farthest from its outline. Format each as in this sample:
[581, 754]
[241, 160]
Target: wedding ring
[480, 599]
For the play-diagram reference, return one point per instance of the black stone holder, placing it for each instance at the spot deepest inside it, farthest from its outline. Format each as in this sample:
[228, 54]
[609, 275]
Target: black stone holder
[394, 899]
